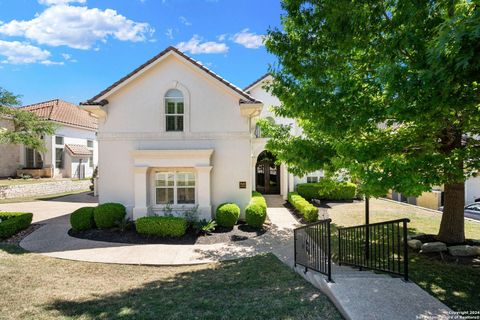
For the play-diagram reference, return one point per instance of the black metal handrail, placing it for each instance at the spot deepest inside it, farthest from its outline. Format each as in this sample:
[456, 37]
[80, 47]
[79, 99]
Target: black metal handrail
[378, 246]
[312, 247]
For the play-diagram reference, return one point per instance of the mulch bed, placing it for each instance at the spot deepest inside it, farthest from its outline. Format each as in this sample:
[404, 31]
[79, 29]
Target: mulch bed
[239, 232]
[15, 239]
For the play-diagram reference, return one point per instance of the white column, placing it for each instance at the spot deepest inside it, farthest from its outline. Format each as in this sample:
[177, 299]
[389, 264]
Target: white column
[204, 192]
[140, 190]
[291, 182]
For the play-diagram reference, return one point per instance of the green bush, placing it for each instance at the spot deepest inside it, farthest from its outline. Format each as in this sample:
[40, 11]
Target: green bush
[257, 198]
[327, 189]
[161, 226]
[256, 211]
[227, 215]
[13, 222]
[82, 219]
[255, 215]
[107, 215]
[305, 208]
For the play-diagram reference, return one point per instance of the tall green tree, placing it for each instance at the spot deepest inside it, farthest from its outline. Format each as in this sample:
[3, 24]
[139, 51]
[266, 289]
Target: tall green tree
[386, 89]
[27, 129]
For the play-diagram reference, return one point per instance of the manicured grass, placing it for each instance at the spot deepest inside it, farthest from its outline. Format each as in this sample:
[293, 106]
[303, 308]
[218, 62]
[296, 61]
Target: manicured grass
[39, 287]
[42, 197]
[455, 285]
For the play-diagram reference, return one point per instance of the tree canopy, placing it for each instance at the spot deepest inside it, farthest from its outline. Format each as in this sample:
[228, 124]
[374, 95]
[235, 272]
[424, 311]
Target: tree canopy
[27, 129]
[388, 90]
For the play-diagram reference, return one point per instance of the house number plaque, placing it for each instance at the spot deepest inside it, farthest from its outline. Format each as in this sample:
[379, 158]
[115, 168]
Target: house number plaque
[242, 185]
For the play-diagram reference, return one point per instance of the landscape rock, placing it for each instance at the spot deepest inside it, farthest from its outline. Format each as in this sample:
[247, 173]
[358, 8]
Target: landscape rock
[415, 244]
[462, 251]
[415, 236]
[433, 247]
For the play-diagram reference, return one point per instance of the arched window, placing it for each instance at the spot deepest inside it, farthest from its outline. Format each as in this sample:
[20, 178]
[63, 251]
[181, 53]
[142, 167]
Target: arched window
[174, 110]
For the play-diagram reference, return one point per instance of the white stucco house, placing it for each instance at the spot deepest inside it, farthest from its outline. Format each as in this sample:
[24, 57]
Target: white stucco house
[174, 133]
[71, 153]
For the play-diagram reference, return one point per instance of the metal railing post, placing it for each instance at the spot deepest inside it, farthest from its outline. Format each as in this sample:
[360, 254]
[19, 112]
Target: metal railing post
[405, 250]
[294, 248]
[329, 252]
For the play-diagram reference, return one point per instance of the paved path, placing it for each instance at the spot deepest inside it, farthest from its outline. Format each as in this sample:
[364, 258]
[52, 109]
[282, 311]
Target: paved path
[357, 294]
[52, 239]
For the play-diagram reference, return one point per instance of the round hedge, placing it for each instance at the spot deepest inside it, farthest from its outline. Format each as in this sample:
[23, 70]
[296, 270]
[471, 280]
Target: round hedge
[82, 219]
[255, 215]
[227, 215]
[107, 215]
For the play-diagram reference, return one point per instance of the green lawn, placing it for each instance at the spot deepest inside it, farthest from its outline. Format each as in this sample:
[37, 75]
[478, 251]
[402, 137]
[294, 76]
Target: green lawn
[458, 286]
[39, 287]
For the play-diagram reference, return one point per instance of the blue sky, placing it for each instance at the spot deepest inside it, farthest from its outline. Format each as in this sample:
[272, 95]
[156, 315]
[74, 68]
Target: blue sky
[72, 49]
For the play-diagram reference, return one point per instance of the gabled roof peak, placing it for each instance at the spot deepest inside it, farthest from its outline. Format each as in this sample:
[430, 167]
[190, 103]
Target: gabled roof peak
[245, 96]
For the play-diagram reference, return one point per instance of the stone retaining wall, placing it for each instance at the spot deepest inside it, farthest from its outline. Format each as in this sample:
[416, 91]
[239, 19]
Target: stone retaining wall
[42, 188]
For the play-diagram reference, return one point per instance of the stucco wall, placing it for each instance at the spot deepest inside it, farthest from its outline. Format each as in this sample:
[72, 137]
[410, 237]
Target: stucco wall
[136, 121]
[10, 154]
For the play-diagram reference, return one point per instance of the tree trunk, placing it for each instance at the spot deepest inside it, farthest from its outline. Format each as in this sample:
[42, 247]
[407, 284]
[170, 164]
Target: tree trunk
[452, 227]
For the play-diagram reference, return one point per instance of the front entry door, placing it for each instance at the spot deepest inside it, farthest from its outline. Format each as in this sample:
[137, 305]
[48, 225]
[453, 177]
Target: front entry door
[267, 177]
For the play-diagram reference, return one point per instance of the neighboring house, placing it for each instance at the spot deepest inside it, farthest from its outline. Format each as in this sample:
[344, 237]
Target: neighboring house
[434, 198]
[174, 133]
[70, 153]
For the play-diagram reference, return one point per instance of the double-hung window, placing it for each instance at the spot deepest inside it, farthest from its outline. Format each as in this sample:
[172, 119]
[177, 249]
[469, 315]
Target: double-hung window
[59, 146]
[174, 110]
[175, 187]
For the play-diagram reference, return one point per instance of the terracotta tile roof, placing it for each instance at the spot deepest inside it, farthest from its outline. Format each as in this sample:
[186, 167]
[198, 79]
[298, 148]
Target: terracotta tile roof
[78, 149]
[257, 81]
[64, 112]
[247, 97]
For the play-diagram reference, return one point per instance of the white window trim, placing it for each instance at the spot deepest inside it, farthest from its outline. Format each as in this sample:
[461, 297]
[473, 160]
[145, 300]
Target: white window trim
[173, 205]
[186, 110]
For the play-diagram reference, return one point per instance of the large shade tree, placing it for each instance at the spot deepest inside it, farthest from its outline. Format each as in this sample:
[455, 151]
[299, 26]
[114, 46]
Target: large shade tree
[388, 90]
[27, 128]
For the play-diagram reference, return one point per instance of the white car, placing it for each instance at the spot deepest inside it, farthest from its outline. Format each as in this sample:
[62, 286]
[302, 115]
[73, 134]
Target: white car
[471, 211]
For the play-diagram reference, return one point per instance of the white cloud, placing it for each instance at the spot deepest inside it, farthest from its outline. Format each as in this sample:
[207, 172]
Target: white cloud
[184, 21]
[55, 2]
[248, 39]
[52, 63]
[22, 53]
[222, 37]
[77, 27]
[169, 33]
[68, 57]
[195, 46]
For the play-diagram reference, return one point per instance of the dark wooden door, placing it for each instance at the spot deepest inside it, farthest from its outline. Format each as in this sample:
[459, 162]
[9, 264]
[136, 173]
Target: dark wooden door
[267, 177]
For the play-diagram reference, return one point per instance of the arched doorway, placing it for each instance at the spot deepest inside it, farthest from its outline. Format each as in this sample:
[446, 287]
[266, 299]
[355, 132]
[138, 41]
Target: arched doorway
[267, 174]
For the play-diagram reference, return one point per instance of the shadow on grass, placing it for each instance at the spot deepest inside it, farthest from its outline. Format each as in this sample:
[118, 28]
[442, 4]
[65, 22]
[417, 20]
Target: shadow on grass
[259, 287]
[12, 249]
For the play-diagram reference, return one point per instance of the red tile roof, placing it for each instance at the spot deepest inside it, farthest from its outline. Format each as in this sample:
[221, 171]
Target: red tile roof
[247, 98]
[78, 149]
[63, 112]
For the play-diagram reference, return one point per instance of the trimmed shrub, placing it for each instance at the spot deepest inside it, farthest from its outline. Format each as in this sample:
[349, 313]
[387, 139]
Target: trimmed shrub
[256, 211]
[13, 222]
[255, 215]
[227, 215]
[161, 226]
[257, 198]
[327, 189]
[82, 219]
[107, 215]
[305, 208]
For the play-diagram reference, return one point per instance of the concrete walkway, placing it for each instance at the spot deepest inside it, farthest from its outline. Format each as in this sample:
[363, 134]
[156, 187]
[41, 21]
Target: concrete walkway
[357, 294]
[53, 240]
